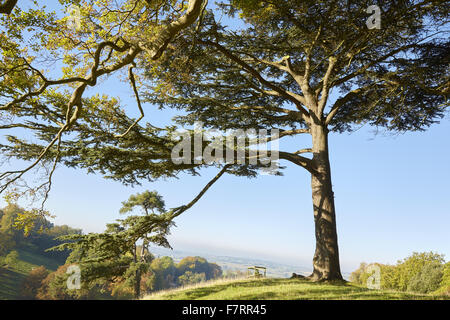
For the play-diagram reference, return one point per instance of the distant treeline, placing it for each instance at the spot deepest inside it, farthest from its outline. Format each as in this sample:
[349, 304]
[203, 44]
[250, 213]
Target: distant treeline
[41, 283]
[163, 273]
[41, 236]
[424, 272]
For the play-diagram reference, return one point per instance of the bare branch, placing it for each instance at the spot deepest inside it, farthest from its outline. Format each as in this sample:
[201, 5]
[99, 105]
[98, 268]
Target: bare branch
[179, 210]
[340, 102]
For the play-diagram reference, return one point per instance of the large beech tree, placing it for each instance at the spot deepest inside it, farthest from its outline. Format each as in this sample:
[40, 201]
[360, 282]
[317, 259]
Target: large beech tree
[303, 67]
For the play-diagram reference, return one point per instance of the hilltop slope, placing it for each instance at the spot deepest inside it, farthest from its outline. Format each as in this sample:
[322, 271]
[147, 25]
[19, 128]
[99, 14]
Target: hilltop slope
[12, 276]
[283, 289]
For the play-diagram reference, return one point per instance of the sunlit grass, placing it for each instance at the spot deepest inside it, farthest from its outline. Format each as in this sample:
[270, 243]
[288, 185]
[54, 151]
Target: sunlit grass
[11, 277]
[282, 289]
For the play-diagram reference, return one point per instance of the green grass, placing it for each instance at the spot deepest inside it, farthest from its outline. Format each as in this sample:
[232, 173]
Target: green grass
[284, 289]
[12, 276]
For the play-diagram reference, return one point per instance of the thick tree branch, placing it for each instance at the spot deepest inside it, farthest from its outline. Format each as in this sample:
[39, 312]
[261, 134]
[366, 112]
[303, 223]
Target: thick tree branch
[306, 163]
[340, 102]
[8, 6]
[257, 75]
[179, 210]
[374, 62]
[166, 35]
[138, 100]
[325, 87]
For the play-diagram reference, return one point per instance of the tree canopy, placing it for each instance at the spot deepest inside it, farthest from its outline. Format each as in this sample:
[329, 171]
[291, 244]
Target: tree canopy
[300, 67]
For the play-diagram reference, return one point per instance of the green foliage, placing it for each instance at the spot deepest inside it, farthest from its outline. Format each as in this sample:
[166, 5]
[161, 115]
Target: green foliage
[191, 278]
[199, 265]
[411, 266]
[389, 78]
[275, 71]
[167, 274]
[233, 66]
[357, 275]
[164, 271]
[33, 282]
[113, 256]
[12, 278]
[444, 286]
[421, 272]
[54, 287]
[283, 289]
[148, 201]
[9, 235]
[12, 258]
[115, 35]
[40, 234]
[428, 279]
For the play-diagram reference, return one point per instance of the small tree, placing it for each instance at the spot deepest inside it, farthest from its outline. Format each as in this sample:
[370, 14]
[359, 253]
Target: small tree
[150, 202]
[113, 255]
[444, 286]
[411, 267]
[199, 265]
[54, 287]
[418, 272]
[164, 272]
[356, 276]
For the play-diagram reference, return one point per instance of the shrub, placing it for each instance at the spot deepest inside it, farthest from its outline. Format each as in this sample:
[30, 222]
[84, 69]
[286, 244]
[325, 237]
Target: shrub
[33, 282]
[412, 266]
[444, 286]
[12, 258]
[356, 276]
[191, 278]
[428, 279]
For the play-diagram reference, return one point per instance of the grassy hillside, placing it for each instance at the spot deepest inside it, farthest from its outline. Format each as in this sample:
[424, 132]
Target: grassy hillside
[285, 289]
[12, 276]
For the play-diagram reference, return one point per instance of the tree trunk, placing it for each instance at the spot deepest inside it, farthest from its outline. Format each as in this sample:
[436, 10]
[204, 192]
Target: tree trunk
[326, 256]
[137, 283]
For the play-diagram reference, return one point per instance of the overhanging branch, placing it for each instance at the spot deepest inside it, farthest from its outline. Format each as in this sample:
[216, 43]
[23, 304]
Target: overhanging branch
[8, 6]
[179, 210]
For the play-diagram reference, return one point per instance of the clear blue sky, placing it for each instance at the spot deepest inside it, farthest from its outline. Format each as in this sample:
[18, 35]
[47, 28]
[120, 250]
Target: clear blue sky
[392, 198]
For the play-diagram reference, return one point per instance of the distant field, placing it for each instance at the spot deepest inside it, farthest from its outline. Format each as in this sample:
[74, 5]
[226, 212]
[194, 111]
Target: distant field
[12, 277]
[282, 289]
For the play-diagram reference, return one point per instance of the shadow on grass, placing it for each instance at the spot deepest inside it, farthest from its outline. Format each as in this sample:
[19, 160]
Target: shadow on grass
[296, 289]
[9, 284]
[36, 259]
[198, 293]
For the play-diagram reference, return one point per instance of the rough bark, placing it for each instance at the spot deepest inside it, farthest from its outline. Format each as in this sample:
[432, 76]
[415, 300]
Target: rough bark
[137, 283]
[326, 257]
